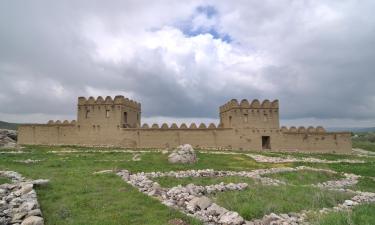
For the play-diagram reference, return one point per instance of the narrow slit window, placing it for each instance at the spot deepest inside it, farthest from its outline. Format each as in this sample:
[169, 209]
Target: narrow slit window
[246, 118]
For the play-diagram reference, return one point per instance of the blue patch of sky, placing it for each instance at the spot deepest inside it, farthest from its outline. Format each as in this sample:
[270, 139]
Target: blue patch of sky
[210, 12]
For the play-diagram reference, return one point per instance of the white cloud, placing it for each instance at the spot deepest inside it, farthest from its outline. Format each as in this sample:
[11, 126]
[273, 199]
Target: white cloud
[95, 92]
[315, 56]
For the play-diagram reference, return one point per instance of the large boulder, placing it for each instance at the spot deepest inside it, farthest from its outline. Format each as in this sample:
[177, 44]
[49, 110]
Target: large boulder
[8, 138]
[183, 154]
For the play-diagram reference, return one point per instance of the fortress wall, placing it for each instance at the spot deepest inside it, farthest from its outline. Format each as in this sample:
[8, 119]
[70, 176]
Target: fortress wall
[70, 134]
[284, 139]
[244, 126]
[47, 134]
[208, 138]
[314, 140]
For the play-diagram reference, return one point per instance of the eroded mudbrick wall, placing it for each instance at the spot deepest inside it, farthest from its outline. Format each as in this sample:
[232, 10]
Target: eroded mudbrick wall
[244, 125]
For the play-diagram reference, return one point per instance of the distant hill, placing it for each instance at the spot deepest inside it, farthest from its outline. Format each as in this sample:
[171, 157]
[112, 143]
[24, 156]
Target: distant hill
[9, 126]
[352, 129]
[366, 129]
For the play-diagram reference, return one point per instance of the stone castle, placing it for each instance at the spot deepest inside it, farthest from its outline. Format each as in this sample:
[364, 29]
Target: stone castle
[243, 125]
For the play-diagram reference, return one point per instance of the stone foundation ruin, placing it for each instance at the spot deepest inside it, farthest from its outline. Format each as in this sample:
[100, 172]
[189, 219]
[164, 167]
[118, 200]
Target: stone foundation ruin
[191, 199]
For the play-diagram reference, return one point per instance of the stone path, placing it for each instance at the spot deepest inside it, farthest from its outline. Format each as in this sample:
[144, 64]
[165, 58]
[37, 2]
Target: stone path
[19, 204]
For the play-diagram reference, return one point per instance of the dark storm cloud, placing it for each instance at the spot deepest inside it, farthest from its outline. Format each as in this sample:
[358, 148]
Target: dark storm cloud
[316, 57]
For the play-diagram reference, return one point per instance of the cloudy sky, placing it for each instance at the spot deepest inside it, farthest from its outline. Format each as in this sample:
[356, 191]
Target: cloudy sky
[182, 59]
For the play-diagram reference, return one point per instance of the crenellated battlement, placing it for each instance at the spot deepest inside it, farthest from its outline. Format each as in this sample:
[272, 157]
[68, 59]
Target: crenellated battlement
[302, 129]
[182, 126]
[58, 122]
[245, 104]
[118, 100]
[254, 114]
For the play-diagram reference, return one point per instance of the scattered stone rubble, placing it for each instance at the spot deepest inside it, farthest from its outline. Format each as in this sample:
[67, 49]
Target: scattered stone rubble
[349, 180]
[8, 138]
[18, 200]
[183, 154]
[289, 159]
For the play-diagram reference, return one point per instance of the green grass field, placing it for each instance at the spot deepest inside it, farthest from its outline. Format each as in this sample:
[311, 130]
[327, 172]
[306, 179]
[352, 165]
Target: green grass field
[305, 177]
[260, 200]
[361, 215]
[76, 196]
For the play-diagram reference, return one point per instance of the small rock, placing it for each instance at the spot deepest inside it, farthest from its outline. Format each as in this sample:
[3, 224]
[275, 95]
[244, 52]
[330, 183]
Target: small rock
[19, 216]
[26, 188]
[40, 182]
[136, 157]
[33, 220]
[183, 154]
[203, 202]
[27, 206]
[216, 210]
[34, 212]
[177, 222]
[231, 218]
[102, 172]
[348, 203]
[267, 220]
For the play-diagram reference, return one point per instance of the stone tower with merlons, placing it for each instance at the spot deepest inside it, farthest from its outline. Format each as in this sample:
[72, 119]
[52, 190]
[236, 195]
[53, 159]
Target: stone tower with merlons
[257, 115]
[108, 113]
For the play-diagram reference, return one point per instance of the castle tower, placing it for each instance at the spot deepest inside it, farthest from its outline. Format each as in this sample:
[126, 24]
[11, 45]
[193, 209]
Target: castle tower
[107, 113]
[246, 115]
